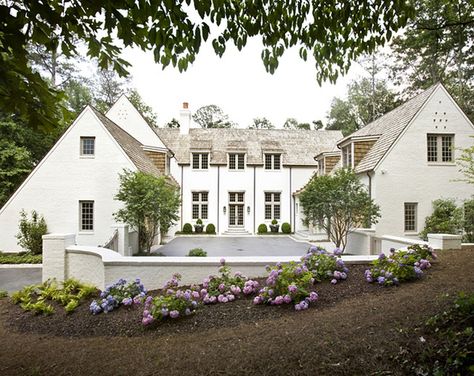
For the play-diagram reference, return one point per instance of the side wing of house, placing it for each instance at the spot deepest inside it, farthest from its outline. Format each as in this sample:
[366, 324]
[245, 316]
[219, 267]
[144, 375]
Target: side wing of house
[73, 187]
[420, 166]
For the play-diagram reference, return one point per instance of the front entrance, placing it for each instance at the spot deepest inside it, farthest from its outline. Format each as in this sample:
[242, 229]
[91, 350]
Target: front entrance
[236, 209]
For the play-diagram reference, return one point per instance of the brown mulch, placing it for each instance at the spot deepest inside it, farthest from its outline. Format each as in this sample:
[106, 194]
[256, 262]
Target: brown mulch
[354, 329]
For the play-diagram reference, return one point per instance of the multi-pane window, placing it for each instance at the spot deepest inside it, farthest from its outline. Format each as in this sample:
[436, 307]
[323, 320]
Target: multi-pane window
[410, 216]
[272, 205]
[272, 161]
[440, 148]
[200, 161]
[88, 146]
[86, 215]
[236, 161]
[200, 205]
[321, 167]
[347, 156]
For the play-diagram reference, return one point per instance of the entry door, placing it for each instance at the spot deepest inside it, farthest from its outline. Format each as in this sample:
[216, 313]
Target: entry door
[236, 209]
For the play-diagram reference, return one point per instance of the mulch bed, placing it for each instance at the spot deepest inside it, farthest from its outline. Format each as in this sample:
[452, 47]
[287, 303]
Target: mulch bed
[355, 328]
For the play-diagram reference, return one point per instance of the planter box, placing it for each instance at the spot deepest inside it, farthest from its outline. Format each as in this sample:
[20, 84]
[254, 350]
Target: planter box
[444, 241]
[274, 228]
[198, 228]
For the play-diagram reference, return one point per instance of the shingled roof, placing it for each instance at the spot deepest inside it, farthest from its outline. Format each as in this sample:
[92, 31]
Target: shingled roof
[388, 128]
[130, 145]
[298, 147]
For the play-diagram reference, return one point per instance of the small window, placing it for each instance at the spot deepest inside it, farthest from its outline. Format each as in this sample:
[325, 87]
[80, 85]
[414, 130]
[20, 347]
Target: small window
[88, 146]
[200, 205]
[236, 161]
[272, 205]
[347, 156]
[272, 161]
[86, 215]
[411, 209]
[200, 161]
[440, 148]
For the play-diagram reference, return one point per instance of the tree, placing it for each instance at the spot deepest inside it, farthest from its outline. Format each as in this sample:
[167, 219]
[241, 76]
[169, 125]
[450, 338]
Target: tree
[341, 118]
[468, 223]
[150, 203]
[466, 164]
[77, 95]
[173, 123]
[338, 203]
[317, 124]
[31, 232]
[343, 31]
[437, 47]
[446, 218]
[108, 89]
[261, 123]
[292, 123]
[212, 116]
[147, 112]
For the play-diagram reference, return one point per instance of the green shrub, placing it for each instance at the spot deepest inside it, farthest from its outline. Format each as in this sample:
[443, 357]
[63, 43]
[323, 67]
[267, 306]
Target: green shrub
[199, 221]
[3, 294]
[286, 228]
[20, 258]
[197, 252]
[31, 232]
[446, 219]
[187, 228]
[210, 229]
[468, 224]
[274, 222]
[262, 228]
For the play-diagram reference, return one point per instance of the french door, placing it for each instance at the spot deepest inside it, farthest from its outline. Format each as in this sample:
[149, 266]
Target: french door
[236, 209]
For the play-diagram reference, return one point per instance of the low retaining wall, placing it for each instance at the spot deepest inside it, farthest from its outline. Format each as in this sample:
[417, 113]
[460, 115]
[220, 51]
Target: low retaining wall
[99, 266]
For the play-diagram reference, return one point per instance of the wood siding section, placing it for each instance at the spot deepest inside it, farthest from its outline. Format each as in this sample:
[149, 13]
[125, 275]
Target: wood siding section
[158, 159]
[330, 162]
[361, 148]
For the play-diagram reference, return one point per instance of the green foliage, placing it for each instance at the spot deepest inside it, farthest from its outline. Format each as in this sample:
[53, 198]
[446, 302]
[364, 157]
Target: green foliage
[69, 294]
[286, 228]
[197, 252]
[466, 164]
[338, 203]
[31, 232]
[292, 123]
[145, 110]
[173, 123]
[212, 116]
[210, 229]
[446, 219]
[199, 221]
[187, 228]
[469, 221]
[3, 294]
[261, 123]
[262, 228]
[20, 258]
[274, 221]
[150, 203]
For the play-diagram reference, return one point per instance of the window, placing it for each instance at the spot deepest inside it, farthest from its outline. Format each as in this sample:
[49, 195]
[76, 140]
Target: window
[440, 147]
[236, 161]
[200, 161]
[272, 205]
[86, 215]
[410, 216]
[87, 146]
[200, 205]
[347, 156]
[321, 167]
[272, 161]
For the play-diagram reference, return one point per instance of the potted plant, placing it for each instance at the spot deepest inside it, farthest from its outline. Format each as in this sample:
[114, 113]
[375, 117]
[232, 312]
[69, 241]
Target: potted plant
[198, 227]
[274, 227]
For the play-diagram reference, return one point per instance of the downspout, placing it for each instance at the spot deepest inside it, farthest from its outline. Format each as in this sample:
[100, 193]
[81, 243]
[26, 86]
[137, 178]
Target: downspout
[182, 190]
[254, 185]
[290, 202]
[370, 184]
[218, 194]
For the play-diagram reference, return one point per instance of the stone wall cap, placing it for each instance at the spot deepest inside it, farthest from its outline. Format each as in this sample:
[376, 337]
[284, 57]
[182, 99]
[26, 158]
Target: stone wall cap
[444, 236]
[58, 236]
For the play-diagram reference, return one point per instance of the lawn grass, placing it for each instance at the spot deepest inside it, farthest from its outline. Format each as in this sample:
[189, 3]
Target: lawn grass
[20, 258]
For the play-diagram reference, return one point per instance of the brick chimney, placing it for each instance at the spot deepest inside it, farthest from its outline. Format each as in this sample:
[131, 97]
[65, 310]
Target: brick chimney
[184, 119]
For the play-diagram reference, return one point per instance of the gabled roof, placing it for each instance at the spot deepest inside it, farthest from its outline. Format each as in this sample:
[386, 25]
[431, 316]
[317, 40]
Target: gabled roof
[297, 146]
[388, 128]
[130, 145]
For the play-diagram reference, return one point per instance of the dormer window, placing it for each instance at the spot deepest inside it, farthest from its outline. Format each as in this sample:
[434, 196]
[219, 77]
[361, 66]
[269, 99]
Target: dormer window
[87, 146]
[347, 156]
[272, 161]
[236, 161]
[200, 161]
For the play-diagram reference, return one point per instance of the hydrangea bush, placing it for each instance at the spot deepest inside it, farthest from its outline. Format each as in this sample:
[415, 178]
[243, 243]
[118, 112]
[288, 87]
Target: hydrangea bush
[225, 288]
[324, 265]
[120, 293]
[400, 266]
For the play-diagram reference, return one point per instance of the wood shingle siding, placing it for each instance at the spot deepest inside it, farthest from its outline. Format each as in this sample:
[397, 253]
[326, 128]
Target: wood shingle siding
[158, 159]
[361, 148]
[330, 162]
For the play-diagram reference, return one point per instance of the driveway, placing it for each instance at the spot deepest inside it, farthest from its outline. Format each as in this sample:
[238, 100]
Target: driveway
[236, 246]
[15, 278]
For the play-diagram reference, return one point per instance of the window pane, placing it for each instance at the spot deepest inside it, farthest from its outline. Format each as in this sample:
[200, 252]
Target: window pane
[447, 148]
[86, 215]
[276, 197]
[268, 161]
[232, 161]
[432, 148]
[204, 196]
[240, 197]
[204, 211]
[87, 145]
[195, 211]
[195, 160]
[195, 196]
[241, 161]
[410, 216]
[268, 212]
[268, 197]
[204, 161]
[276, 211]
[276, 161]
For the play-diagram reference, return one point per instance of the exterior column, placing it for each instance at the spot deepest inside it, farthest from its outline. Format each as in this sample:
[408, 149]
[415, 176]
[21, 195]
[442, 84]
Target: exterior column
[54, 255]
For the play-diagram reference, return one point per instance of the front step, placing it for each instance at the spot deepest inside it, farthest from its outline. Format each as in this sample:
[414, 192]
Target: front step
[236, 231]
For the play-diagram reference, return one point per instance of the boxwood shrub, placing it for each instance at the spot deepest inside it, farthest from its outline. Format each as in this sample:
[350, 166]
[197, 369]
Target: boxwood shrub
[286, 228]
[187, 228]
[210, 229]
[262, 228]
[197, 252]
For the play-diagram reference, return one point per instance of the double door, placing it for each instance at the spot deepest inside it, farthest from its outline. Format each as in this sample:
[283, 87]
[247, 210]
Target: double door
[236, 209]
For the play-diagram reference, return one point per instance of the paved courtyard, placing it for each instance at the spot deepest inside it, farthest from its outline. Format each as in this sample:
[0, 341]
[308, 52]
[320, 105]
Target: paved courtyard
[236, 246]
[15, 278]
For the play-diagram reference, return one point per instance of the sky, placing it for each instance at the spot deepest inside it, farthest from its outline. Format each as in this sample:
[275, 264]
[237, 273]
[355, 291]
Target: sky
[239, 84]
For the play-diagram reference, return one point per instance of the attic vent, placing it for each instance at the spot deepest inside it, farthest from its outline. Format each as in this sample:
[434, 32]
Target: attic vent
[122, 114]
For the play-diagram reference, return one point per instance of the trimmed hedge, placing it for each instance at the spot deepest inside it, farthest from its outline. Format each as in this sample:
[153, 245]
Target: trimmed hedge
[262, 228]
[187, 228]
[210, 229]
[20, 258]
[286, 228]
[197, 252]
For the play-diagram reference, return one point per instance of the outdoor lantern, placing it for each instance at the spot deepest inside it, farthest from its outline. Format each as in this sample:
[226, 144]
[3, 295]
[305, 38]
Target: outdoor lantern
[224, 208]
[248, 209]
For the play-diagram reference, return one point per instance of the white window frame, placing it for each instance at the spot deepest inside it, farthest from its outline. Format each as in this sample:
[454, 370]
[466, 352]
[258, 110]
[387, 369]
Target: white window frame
[273, 165]
[272, 203]
[200, 157]
[347, 153]
[81, 146]
[409, 206]
[200, 203]
[237, 157]
[81, 216]
[440, 137]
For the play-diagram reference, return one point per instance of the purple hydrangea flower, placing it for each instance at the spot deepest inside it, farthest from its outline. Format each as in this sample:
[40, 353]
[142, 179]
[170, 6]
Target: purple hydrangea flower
[313, 296]
[292, 288]
[333, 281]
[222, 261]
[174, 314]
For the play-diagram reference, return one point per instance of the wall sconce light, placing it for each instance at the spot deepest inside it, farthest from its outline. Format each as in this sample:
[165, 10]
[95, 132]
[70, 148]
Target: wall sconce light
[224, 209]
[248, 209]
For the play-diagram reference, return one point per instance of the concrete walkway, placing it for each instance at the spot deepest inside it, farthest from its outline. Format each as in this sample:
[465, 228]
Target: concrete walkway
[236, 246]
[14, 278]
